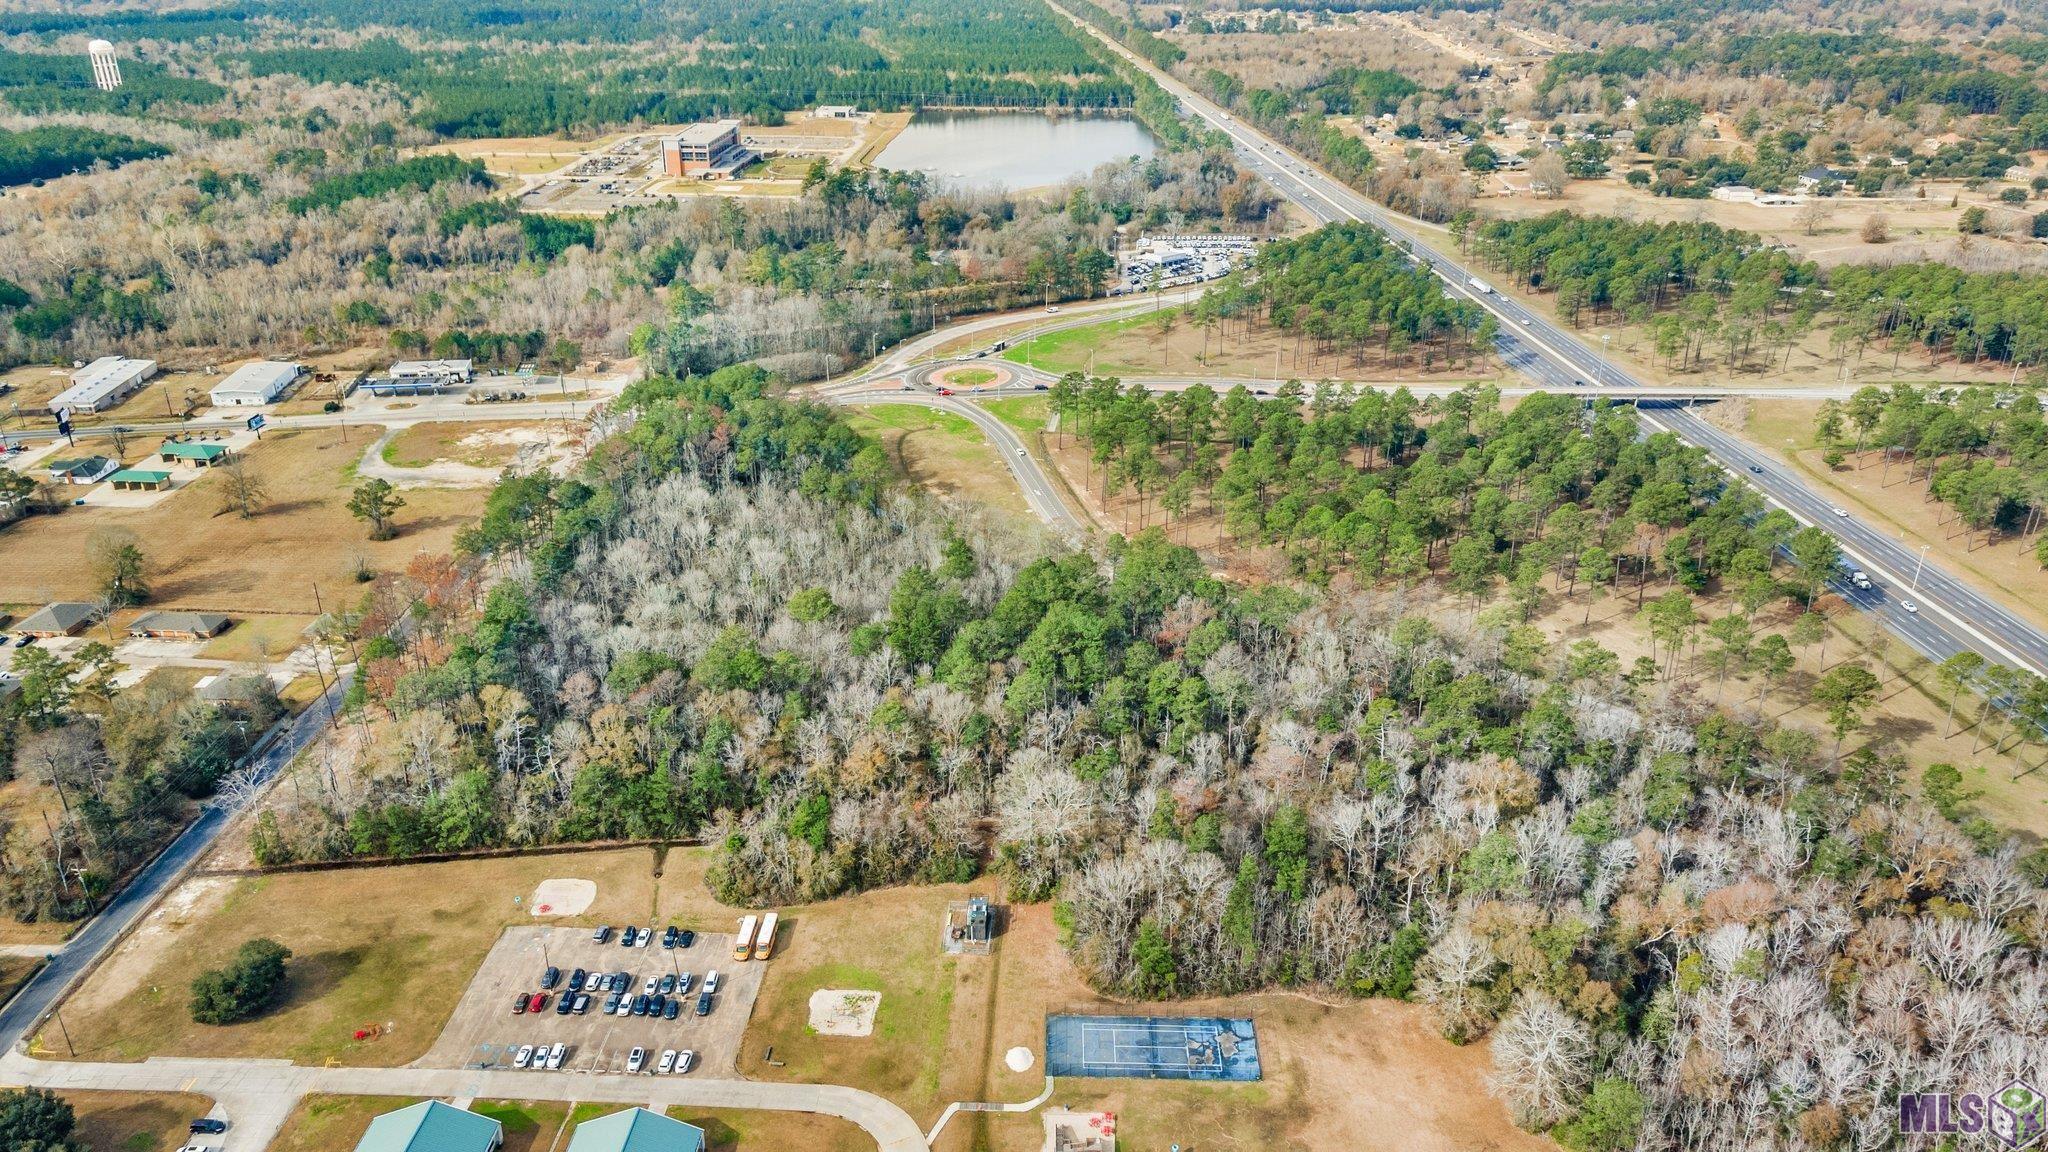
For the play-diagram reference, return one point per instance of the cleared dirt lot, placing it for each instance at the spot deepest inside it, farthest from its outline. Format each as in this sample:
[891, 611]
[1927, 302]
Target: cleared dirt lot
[485, 1032]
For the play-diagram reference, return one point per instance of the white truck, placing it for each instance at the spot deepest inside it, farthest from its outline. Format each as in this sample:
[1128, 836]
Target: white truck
[1480, 286]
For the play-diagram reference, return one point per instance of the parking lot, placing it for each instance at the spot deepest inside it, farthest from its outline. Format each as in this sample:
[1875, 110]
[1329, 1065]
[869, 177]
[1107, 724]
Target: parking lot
[485, 1032]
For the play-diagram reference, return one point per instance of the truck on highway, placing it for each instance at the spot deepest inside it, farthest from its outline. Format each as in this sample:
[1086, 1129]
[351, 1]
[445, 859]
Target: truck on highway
[1860, 579]
[1480, 286]
[764, 938]
[743, 944]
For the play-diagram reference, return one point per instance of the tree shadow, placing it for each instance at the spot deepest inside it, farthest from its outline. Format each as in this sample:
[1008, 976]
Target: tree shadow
[312, 976]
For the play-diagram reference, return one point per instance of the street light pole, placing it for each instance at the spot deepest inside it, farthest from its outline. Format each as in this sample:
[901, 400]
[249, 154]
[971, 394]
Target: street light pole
[1921, 564]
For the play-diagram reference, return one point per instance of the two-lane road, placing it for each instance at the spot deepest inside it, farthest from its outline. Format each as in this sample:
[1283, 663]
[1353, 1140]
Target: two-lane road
[1952, 615]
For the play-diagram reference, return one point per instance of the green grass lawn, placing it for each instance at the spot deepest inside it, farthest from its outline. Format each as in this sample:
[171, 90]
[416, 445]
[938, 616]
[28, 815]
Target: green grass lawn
[912, 418]
[970, 377]
[1024, 413]
[530, 1126]
[333, 1123]
[1067, 350]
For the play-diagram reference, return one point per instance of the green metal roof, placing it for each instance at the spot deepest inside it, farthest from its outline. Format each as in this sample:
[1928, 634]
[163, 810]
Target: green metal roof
[636, 1130]
[139, 476]
[431, 1126]
[189, 450]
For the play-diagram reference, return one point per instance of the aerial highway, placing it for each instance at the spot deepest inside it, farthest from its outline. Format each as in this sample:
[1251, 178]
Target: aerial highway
[1947, 616]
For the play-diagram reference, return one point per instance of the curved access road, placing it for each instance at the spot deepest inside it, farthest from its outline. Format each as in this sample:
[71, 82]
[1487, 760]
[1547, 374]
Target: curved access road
[1950, 615]
[257, 1096]
[1041, 492]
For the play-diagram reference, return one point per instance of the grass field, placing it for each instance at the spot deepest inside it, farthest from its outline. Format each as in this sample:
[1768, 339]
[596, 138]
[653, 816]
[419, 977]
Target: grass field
[334, 1123]
[258, 639]
[1024, 413]
[944, 453]
[1166, 342]
[736, 1130]
[530, 1125]
[970, 377]
[199, 560]
[375, 946]
[134, 1121]
[478, 445]
[884, 941]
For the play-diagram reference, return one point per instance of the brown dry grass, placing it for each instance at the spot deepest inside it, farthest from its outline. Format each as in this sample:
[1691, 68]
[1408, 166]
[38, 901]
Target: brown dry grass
[743, 1130]
[271, 562]
[333, 1123]
[944, 454]
[478, 445]
[370, 946]
[134, 1121]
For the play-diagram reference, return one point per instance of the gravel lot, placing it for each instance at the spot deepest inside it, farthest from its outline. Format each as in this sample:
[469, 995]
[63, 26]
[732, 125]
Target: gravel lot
[484, 1031]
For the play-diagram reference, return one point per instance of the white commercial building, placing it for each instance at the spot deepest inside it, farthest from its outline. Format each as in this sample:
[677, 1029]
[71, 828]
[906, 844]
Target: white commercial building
[102, 384]
[257, 383]
[443, 370]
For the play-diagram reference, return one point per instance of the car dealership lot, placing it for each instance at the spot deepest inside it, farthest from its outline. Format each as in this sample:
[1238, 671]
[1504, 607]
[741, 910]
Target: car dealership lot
[485, 1032]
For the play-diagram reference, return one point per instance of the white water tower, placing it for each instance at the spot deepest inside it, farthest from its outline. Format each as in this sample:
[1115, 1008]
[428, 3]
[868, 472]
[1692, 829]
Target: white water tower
[106, 71]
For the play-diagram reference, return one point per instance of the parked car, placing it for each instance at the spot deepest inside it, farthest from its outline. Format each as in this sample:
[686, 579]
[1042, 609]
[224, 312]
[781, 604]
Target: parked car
[524, 1057]
[686, 939]
[704, 1004]
[686, 1060]
[668, 1061]
[636, 1059]
[657, 1004]
[711, 980]
[582, 1003]
[519, 1000]
[668, 982]
[208, 1126]
[551, 977]
[626, 936]
[576, 980]
[674, 1009]
[538, 1002]
[557, 1054]
[611, 1003]
[601, 935]
[668, 936]
[683, 983]
[640, 1005]
[565, 1003]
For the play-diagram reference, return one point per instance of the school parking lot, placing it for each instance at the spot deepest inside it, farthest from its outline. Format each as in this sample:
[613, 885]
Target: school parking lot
[485, 1032]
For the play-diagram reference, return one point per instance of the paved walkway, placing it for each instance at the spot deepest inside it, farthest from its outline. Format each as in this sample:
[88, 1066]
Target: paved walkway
[258, 1095]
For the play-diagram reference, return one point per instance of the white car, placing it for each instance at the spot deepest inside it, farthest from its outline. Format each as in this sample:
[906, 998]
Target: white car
[653, 985]
[711, 980]
[1909, 606]
[1052, 309]
[524, 1057]
[1839, 511]
[668, 1062]
[625, 1005]
[556, 1054]
[686, 1061]
[683, 983]
[636, 1059]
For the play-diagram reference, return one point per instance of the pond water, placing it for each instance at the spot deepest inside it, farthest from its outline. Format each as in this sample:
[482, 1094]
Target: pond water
[1012, 149]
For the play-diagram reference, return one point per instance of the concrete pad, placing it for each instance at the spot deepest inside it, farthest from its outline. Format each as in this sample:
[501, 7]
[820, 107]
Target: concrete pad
[562, 897]
[844, 1011]
[1017, 1059]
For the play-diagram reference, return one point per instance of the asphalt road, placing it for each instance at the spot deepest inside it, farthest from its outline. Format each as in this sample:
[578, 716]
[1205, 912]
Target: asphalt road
[66, 966]
[1952, 616]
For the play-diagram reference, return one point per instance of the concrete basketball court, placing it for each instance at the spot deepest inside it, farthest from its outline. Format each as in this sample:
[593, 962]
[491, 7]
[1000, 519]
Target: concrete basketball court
[562, 897]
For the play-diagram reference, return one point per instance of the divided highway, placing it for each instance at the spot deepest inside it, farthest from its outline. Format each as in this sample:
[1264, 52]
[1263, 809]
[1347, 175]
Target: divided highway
[1951, 617]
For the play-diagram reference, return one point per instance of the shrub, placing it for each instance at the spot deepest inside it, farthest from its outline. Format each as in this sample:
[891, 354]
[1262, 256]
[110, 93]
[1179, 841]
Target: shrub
[243, 989]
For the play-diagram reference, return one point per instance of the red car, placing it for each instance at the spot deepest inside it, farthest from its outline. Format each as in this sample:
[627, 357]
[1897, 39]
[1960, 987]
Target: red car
[945, 391]
[538, 1002]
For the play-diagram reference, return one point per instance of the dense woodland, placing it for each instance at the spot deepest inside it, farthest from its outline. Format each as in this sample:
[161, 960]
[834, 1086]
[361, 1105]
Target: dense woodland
[729, 625]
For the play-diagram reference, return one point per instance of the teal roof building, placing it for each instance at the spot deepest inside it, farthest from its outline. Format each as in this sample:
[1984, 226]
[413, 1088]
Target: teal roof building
[432, 1127]
[636, 1130]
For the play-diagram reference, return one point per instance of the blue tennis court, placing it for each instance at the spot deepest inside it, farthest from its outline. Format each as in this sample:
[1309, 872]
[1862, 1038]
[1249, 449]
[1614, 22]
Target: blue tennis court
[1151, 1047]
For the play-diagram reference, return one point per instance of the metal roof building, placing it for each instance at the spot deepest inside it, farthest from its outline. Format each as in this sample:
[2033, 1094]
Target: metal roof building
[257, 383]
[432, 370]
[201, 453]
[636, 1130]
[432, 1126]
[179, 625]
[102, 384]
